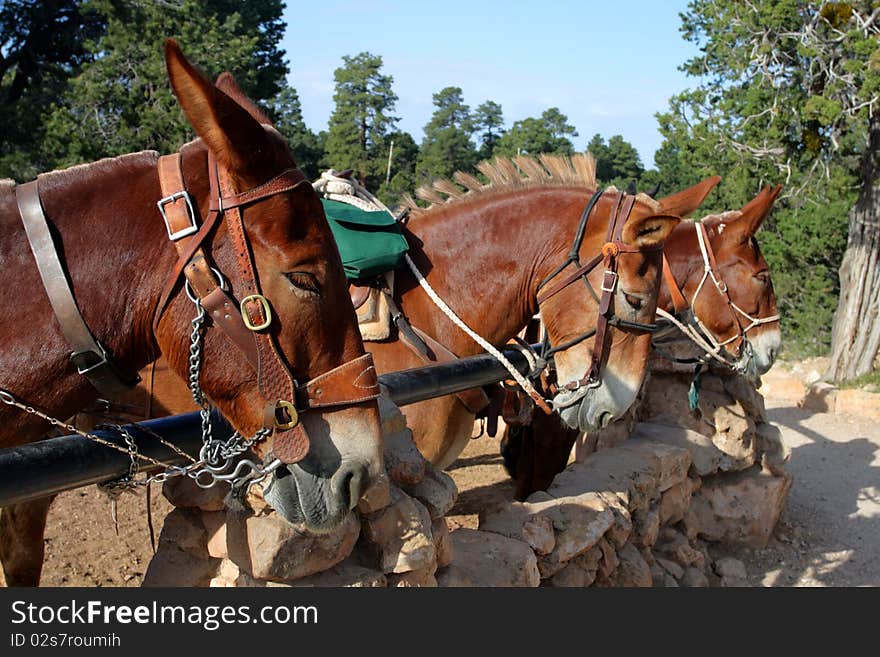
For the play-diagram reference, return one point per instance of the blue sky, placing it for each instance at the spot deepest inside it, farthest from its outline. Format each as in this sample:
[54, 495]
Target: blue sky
[609, 67]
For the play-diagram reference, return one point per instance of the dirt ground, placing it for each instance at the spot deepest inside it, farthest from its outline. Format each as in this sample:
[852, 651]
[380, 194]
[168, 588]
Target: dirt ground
[829, 534]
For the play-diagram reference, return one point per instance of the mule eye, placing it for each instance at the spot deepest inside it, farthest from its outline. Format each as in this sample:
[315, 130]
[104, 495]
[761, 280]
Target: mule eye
[304, 281]
[635, 302]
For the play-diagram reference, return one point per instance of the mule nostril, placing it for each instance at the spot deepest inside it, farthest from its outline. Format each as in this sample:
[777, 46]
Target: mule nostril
[352, 486]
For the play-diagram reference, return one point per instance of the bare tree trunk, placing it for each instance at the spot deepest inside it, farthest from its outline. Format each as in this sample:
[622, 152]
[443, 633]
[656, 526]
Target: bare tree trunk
[855, 337]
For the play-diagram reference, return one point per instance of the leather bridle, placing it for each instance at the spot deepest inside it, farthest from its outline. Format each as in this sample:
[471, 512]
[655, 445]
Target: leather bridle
[247, 322]
[609, 258]
[686, 310]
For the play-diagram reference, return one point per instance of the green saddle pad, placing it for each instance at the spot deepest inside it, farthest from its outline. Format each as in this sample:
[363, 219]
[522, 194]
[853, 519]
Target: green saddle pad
[370, 243]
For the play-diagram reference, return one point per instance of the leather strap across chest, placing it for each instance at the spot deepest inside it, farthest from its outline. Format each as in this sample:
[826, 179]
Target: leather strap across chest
[247, 322]
[88, 355]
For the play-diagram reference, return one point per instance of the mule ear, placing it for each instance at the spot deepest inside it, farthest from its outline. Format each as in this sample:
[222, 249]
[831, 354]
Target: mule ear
[686, 201]
[649, 231]
[235, 138]
[740, 225]
[755, 211]
[227, 84]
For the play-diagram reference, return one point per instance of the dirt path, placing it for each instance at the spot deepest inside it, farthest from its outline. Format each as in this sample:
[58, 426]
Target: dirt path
[829, 534]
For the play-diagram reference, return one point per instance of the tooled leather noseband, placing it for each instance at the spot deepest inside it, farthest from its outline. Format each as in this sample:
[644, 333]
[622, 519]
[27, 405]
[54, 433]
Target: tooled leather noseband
[247, 322]
[609, 255]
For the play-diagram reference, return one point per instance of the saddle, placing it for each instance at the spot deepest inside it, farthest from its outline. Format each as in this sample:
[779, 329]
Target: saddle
[372, 246]
[371, 306]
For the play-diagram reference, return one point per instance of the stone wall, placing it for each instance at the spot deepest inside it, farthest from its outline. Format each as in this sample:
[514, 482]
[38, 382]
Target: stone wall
[639, 510]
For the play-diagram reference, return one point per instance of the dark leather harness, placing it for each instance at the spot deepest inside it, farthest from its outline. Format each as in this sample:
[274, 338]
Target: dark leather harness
[246, 322]
[88, 355]
[608, 256]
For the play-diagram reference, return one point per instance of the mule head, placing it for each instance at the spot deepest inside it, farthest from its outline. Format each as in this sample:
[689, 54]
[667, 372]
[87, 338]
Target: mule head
[300, 274]
[570, 314]
[746, 275]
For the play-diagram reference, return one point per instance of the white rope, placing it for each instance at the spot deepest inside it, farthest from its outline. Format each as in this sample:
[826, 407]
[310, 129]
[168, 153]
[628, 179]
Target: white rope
[326, 186]
[485, 344]
[693, 335]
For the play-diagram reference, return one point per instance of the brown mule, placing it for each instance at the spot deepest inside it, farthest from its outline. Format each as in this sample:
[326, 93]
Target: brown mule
[534, 453]
[491, 250]
[271, 243]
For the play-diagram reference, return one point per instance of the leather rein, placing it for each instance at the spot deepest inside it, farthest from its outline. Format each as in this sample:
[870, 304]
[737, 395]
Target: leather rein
[686, 310]
[609, 258]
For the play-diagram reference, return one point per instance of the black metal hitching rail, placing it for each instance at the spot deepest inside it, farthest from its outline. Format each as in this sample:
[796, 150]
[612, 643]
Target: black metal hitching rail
[54, 465]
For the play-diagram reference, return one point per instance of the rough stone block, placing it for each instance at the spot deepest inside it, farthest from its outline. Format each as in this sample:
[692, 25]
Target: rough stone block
[489, 559]
[413, 579]
[268, 547]
[377, 496]
[347, 573]
[442, 543]
[577, 522]
[706, 458]
[183, 492]
[633, 570]
[436, 490]
[740, 508]
[399, 536]
[403, 461]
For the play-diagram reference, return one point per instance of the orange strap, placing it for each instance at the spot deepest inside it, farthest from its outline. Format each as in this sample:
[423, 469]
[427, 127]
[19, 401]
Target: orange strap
[679, 303]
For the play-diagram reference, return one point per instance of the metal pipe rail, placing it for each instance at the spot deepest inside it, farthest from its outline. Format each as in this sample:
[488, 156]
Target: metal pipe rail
[54, 465]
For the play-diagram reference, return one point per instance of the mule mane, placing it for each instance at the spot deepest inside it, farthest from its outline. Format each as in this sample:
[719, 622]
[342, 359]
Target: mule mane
[77, 171]
[510, 173]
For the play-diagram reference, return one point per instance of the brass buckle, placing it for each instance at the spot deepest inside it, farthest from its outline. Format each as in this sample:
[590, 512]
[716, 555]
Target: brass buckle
[290, 409]
[266, 310]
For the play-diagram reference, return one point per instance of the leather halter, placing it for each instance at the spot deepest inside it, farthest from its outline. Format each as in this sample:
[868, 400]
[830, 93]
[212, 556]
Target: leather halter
[88, 355]
[608, 256]
[710, 271]
[247, 322]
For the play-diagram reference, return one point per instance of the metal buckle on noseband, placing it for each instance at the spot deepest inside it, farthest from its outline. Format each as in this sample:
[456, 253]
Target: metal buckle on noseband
[267, 311]
[286, 416]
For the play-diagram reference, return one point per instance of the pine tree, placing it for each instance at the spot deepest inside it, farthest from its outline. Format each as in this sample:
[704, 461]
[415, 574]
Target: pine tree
[447, 146]
[617, 162]
[42, 46]
[122, 102]
[548, 134]
[790, 91]
[489, 126]
[362, 119]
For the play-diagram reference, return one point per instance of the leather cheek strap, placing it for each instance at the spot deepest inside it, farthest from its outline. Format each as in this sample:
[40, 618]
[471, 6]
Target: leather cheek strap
[679, 303]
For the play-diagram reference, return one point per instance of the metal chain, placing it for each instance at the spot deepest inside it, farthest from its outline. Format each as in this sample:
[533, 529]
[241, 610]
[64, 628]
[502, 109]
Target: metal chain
[9, 399]
[216, 460]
